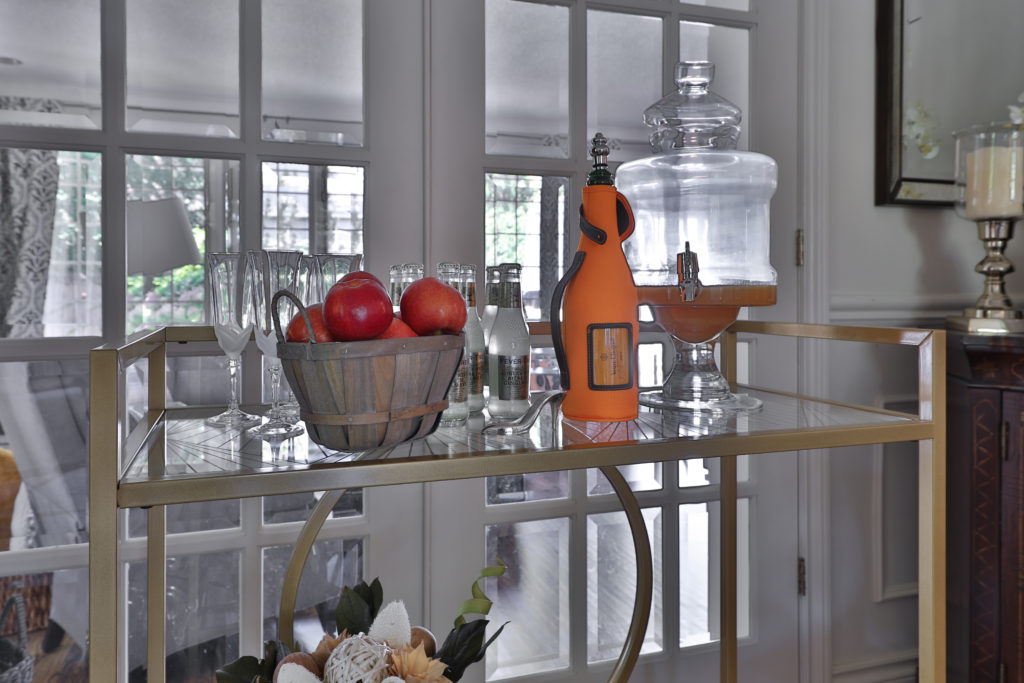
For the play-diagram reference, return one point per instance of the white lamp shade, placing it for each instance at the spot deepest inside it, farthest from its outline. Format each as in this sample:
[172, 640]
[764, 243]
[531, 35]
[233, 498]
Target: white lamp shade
[159, 237]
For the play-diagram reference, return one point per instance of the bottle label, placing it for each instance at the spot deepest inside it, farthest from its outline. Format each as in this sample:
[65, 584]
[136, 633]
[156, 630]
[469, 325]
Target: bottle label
[513, 378]
[477, 372]
[610, 356]
[457, 391]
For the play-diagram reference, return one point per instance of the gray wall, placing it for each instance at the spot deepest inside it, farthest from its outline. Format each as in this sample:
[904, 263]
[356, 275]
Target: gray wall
[887, 266]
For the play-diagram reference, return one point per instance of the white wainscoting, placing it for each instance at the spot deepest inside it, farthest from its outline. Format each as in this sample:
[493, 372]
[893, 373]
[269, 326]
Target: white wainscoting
[897, 667]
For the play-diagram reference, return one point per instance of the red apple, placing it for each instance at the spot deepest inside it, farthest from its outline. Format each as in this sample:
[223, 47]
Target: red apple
[357, 310]
[396, 329]
[429, 306]
[297, 331]
[361, 275]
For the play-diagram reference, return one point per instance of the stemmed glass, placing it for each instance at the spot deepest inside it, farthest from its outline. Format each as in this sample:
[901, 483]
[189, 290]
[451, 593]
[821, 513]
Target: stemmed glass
[232, 335]
[269, 272]
[333, 267]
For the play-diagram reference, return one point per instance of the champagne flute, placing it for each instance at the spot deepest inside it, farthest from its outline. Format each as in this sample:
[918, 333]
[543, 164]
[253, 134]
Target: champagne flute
[232, 335]
[333, 267]
[269, 272]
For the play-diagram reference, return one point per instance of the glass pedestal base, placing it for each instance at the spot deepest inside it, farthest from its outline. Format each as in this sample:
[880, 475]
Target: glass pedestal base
[696, 383]
[730, 402]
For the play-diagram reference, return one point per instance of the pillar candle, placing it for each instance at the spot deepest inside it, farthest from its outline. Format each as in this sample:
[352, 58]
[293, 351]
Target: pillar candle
[994, 183]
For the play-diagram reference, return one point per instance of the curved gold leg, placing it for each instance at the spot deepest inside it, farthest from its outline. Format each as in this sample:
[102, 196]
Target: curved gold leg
[304, 543]
[644, 577]
[641, 545]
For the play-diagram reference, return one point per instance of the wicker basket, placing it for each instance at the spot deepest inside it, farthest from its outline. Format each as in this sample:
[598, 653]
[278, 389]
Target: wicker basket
[354, 396]
[16, 662]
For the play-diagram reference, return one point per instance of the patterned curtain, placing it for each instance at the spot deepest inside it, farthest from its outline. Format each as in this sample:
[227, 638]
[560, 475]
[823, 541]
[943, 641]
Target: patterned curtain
[28, 199]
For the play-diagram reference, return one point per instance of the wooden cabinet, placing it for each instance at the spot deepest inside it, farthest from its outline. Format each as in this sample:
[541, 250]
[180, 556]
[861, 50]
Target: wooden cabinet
[986, 508]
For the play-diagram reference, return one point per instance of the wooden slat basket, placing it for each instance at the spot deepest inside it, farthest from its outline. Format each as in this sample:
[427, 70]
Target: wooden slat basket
[354, 396]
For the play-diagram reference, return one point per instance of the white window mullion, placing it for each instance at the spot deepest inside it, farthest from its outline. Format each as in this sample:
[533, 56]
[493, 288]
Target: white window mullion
[578, 572]
[250, 602]
[113, 56]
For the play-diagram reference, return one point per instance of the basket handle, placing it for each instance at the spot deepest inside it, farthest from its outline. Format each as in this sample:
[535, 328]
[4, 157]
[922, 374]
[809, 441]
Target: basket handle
[17, 600]
[275, 303]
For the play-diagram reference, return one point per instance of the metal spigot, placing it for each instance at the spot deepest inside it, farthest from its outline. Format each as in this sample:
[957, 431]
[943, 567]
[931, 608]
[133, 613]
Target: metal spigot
[688, 268]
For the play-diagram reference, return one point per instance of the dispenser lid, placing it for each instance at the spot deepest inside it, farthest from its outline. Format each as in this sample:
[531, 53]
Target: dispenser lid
[693, 116]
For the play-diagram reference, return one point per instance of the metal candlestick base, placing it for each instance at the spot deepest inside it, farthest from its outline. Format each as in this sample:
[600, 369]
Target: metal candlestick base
[993, 313]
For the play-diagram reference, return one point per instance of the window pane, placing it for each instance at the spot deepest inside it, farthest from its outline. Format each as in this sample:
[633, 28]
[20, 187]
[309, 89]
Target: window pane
[182, 67]
[44, 415]
[524, 222]
[55, 615]
[331, 565]
[729, 49]
[624, 66]
[642, 477]
[186, 206]
[742, 5]
[54, 76]
[313, 209]
[533, 595]
[50, 243]
[297, 507]
[527, 79]
[202, 615]
[611, 584]
[313, 71]
[699, 534]
[205, 516]
[519, 488]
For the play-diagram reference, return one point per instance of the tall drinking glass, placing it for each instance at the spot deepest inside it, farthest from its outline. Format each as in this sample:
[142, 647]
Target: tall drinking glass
[335, 266]
[269, 272]
[232, 335]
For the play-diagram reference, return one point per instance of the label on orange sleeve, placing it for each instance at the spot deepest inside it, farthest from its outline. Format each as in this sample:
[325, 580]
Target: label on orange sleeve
[610, 356]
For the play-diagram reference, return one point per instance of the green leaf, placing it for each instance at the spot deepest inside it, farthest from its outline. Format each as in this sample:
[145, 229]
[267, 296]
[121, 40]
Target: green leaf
[479, 603]
[273, 652]
[465, 645]
[242, 670]
[353, 613]
[378, 598]
[248, 669]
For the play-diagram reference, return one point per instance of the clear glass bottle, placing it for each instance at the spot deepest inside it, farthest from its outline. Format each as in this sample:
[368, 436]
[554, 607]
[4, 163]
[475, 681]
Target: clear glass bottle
[490, 301]
[395, 286]
[491, 285]
[458, 408]
[476, 348]
[508, 350]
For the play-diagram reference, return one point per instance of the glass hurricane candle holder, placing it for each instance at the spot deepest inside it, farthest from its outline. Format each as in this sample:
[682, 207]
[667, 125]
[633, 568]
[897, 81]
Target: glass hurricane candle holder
[990, 192]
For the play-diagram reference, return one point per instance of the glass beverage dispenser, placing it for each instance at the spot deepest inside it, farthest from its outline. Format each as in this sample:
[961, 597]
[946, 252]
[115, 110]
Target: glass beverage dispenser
[700, 249]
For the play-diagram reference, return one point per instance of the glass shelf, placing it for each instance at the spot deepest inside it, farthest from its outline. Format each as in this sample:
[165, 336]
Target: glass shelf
[195, 454]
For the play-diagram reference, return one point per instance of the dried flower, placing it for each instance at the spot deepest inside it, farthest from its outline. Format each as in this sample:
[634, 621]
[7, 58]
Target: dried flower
[412, 665]
[391, 625]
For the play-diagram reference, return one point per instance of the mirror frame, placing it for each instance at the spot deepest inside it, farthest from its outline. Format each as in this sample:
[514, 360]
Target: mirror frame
[891, 185]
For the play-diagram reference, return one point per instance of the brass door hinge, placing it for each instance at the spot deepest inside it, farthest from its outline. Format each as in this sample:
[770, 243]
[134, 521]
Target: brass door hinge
[801, 576]
[799, 246]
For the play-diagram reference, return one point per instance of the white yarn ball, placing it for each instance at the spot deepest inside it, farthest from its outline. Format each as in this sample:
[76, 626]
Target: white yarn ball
[392, 679]
[357, 659]
[295, 673]
[392, 625]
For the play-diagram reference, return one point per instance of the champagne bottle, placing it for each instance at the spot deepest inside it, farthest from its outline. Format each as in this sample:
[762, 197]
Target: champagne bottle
[508, 350]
